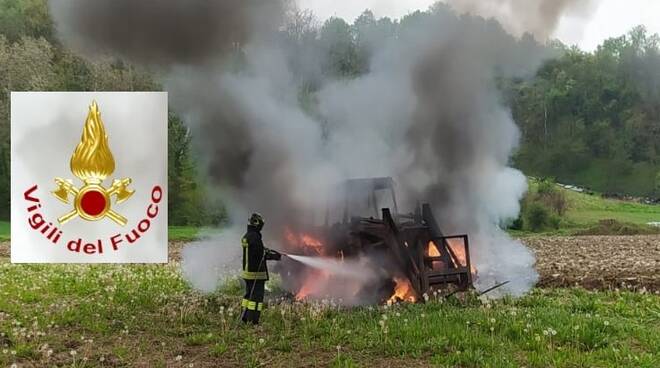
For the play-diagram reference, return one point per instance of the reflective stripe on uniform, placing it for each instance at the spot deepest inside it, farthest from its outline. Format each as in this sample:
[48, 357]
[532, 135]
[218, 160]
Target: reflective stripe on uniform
[247, 304]
[244, 244]
[254, 275]
[249, 275]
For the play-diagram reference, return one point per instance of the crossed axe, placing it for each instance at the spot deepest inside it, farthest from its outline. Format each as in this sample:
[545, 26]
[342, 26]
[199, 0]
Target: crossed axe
[119, 189]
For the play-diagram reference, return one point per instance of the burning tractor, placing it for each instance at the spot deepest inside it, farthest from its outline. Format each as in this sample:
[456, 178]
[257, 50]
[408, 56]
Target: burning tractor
[404, 256]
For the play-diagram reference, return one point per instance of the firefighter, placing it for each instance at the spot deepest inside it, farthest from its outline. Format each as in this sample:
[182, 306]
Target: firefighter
[255, 272]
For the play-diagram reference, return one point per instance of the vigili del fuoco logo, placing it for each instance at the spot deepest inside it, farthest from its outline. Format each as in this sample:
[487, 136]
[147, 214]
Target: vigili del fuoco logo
[92, 162]
[96, 200]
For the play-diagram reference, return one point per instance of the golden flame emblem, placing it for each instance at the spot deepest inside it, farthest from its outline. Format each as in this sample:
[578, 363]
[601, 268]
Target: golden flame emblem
[92, 159]
[92, 162]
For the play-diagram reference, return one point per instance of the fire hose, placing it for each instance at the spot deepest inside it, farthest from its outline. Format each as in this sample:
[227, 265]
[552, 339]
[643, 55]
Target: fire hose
[496, 286]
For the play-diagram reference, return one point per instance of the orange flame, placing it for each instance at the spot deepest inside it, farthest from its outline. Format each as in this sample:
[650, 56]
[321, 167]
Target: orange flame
[433, 251]
[311, 242]
[304, 241]
[458, 248]
[312, 282]
[403, 291]
[92, 160]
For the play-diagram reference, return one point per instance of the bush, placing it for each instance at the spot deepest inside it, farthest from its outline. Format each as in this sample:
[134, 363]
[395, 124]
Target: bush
[536, 216]
[542, 208]
[516, 224]
[548, 193]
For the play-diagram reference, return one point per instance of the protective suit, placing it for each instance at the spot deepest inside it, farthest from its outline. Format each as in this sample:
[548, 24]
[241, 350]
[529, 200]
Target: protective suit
[255, 269]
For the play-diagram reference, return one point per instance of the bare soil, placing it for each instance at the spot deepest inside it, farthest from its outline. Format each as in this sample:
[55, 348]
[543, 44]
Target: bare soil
[598, 262]
[593, 262]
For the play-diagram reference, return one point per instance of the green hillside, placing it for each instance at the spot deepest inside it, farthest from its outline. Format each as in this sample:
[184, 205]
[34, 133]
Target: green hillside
[552, 209]
[587, 209]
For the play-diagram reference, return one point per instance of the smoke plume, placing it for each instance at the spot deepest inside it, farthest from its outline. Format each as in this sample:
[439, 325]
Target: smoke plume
[161, 32]
[538, 17]
[427, 112]
[206, 263]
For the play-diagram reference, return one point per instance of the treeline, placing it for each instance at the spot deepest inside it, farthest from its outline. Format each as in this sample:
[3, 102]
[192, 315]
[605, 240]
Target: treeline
[31, 59]
[593, 118]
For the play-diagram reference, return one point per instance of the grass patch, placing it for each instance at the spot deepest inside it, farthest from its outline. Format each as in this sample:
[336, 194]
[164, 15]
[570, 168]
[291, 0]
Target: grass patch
[4, 230]
[587, 210]
[54, 315]
[182, 233]
[590, 214]
[190, 233]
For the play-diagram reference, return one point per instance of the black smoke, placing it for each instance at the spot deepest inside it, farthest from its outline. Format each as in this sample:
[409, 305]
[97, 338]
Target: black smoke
[162, 31]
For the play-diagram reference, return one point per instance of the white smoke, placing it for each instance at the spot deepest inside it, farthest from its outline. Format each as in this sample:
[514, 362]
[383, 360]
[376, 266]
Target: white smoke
[207, 263]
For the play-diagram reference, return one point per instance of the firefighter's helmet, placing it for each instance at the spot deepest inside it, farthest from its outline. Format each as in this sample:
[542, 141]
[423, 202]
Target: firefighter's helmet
[256, 220]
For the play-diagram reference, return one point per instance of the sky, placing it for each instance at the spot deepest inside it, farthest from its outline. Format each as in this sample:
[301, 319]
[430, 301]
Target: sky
[611, 18]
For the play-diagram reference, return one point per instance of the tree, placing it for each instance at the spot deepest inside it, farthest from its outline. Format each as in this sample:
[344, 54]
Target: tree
[20, 18]
[300, 38]
[181, 172]
[369, 35]
[336, 42]
[188, 203]
[25, 65]
[4, 163]
[116, 75]
[594, 118]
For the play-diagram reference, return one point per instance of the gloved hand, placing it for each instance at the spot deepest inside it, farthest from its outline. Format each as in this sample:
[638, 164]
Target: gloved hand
[273, 255]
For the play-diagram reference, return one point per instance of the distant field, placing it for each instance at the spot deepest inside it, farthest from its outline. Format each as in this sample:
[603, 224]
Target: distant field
[585, 212]
[588, 209]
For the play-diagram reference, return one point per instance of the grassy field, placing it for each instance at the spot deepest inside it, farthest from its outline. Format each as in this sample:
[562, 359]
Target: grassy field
[586, 212]
[147, 315]
[182, 233]
[588, 209]
[105, 315]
